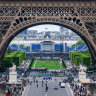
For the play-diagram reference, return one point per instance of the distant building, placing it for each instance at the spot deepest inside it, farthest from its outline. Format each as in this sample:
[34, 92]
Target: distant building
[31, 32]
[66, 34]
[47, 41]
[47, 44]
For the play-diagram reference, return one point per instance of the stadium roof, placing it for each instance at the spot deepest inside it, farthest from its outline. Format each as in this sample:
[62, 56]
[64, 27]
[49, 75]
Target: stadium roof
[47, 42]
[47, 35]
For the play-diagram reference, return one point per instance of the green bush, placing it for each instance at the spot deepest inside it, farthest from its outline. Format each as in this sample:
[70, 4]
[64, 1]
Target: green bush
[85, 60]
[80, 42]
[23, 54]
[8, 61]
[15, 57]
[78, 57]
[18, 59]
[77, 61]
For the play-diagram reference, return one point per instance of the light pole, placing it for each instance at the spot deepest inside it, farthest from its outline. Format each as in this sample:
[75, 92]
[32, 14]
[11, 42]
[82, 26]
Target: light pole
[60, 63]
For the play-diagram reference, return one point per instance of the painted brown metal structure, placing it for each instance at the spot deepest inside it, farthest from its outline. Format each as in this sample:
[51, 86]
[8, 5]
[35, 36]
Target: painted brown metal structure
[77, 15]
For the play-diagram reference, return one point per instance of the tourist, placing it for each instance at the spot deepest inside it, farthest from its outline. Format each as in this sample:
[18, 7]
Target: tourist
[36, 81]
[46, 88]
[42, 83]
[37, 85]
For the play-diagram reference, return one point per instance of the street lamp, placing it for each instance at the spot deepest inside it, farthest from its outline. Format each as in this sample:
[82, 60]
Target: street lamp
[60, 63]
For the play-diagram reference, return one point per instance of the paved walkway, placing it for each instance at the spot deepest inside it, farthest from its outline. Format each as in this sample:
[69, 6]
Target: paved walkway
[40, 91]
[25, 90]
[70, 90]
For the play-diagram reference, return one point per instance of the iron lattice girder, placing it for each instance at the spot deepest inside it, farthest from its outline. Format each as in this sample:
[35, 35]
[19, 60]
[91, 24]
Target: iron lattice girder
[47, 0]
[48, 11]
[76, 15]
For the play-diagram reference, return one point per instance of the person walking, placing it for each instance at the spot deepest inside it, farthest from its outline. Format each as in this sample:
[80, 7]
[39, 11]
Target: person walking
[36, 81]
[42, 83]
[31, 82]
[46, 87]
[37, 85]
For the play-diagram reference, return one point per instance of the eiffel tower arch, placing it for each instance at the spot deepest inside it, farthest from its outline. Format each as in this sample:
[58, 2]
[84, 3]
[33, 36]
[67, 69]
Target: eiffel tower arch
[77, 15]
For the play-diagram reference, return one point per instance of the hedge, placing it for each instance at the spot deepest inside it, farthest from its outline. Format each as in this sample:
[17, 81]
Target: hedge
[23, 54]
[77, 60]
[8, 61]
[15, 57]
[85, 59]
[78, 57]
[18, 59]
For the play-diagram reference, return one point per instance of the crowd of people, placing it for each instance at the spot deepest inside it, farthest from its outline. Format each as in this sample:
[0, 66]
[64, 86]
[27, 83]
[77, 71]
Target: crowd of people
[14, 90]
[92, 76]
[4, 77]
[67, 72]
[79, 89]
[70, 74]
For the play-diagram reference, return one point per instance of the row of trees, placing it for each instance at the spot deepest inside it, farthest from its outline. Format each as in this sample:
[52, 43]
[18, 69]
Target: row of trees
[15, 57]
[80, 42]
[80, 57]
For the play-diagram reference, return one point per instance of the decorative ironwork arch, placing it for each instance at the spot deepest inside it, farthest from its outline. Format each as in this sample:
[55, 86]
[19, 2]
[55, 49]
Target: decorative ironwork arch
[18, 27]
[79, 16]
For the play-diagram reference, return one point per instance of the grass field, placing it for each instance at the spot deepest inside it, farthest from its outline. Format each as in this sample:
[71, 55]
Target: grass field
[50, 64]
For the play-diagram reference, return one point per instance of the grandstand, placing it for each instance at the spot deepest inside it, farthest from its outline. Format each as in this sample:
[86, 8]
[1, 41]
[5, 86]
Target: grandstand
[57, 48]
[79, 48]
[36, 47]
[84, 48]
[47, 56]
[16, 47]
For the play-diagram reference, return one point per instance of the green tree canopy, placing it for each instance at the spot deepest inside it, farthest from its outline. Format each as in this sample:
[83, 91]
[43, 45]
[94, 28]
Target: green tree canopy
[21, 45]
[80, 42]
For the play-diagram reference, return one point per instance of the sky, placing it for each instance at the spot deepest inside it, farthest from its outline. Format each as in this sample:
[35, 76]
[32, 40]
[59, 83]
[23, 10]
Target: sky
[45, 27]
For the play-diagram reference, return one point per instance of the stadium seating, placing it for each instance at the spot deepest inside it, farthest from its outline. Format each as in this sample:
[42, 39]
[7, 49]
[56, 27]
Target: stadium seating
[15, 47]
[79, 48]
[85, 48]
[36, 47]
[57, 48]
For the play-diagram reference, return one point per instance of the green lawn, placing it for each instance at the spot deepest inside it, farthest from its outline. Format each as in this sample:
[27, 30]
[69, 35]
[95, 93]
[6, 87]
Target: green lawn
[50, 64]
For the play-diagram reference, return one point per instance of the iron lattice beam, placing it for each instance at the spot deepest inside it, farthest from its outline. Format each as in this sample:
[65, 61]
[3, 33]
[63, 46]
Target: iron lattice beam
[77, 15]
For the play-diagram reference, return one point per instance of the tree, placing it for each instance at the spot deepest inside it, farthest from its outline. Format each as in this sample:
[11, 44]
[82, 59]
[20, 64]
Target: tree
[80, 42]
[22, 46]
